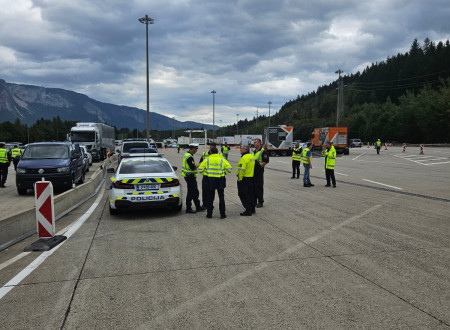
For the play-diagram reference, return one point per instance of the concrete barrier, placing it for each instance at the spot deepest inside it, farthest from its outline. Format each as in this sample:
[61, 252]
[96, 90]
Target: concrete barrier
[22, 225]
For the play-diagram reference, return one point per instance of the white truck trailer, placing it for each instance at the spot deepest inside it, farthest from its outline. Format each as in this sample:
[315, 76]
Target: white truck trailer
[97, 137]
[279, 140]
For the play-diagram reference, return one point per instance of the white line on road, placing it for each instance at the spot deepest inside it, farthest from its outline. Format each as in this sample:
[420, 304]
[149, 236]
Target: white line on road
[437, 163]
[280, 161]
[174, 312]
[42, 257]
[383, 184]
[341, 173]
[359, 155]
[13, 260]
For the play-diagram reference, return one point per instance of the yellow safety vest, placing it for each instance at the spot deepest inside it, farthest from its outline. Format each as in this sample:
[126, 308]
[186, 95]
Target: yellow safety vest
[378, 144]
[16, 152]
[205, 155]
[258, 155]
[305, 157]
[214, 166]
[330, 158]
[226, 149]
[246, 167]
[295, 155]
[3, 156]
[186, 169]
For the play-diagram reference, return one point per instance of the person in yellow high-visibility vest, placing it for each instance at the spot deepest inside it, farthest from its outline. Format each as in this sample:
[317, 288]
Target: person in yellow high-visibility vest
[189, 171]
[330, 158]
[378, 146]
[296, 157]
[5, 161]
[225, 150]
[245, 171]
[214, 168]
[15, 155]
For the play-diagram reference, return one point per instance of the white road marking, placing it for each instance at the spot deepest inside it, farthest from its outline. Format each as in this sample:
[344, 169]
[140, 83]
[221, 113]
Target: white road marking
[13, 260]
[280, 161]
[359, 156]
[383, 184]
[174, 312]
[437, 163]
[341, 173]
[44, 255]
[424, 160]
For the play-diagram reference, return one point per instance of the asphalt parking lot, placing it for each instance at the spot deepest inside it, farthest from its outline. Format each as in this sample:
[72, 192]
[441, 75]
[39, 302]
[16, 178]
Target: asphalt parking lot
[371, 253]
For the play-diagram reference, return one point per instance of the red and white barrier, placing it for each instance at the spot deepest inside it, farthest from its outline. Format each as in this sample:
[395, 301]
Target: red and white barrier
[367, 144]
[404, 147]
[108, 153]
[421, 149]
[45, 210]
[385, 147]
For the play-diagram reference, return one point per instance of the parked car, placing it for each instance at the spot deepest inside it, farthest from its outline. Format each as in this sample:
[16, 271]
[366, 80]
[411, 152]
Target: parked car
[87, 155]
[84, 154]
[144, 182]
[130, 144]
[355, 143]
[58, 162]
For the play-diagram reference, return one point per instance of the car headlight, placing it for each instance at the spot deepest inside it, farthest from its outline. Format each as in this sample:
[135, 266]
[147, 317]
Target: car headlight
[63, 169]
[21, 170]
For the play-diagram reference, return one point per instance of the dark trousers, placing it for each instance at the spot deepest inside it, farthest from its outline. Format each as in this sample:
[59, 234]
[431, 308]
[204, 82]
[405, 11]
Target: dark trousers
[3, 173]
[378, 150]
[192, 192]
[329, 174]
[246, 194]
[204, 190]
[210, 185]
[15, 162]
[259, 186]
[296, 168]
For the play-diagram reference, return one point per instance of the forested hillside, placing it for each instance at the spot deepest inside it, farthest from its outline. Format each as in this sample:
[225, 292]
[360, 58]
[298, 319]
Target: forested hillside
[405, 99]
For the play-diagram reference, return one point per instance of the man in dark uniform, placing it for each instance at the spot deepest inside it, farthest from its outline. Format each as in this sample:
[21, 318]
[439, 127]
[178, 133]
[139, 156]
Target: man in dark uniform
[261, 160]
[189, 171]
[296, 157]
[5, 161]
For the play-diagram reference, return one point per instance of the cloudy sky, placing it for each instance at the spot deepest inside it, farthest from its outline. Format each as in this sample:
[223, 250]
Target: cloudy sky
[249, 51]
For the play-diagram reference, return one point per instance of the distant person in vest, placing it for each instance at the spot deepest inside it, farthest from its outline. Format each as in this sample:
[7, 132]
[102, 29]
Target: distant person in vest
[225, 150]
[214, 168]
[262, 159]
[330, 157]
[189, 172]
[378, 146]
[307, 164]
[5, 161]
[296, 157]
[205, 155]
[178, 147]
[15, 155]
[245, 171]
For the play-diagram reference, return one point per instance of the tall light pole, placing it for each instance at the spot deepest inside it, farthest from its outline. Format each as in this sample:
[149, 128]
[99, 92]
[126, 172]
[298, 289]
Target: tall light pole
[269, 103]
[220, 128]
[340, 99]
[147, 20]
[237, 124]
[214, 101]
[257, 117]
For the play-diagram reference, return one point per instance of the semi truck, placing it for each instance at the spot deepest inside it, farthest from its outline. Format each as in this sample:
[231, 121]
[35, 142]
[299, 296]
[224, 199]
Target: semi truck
[97, 137]
[338, 136]
[279, 140]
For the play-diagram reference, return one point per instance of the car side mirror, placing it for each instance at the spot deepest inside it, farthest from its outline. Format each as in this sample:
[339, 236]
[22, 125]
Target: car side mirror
[111, 170]
[75, 155]
[175, 168]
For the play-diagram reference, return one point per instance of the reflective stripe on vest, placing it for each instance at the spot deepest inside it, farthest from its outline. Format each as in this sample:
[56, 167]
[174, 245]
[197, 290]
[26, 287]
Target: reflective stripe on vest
[330, 159]
[186, 170]
[3, 155]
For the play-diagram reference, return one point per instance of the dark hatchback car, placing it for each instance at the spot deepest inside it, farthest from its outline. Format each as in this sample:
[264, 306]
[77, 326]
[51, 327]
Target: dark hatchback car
[58, 162]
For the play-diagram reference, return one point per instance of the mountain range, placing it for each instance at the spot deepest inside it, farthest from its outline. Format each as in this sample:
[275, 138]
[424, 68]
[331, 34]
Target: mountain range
[30, 103]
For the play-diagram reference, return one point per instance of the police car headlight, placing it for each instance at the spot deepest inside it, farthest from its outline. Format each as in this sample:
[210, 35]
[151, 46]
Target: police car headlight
[63, 169]
[21, 170]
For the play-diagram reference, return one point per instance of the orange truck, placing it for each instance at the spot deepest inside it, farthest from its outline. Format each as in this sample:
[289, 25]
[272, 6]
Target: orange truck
[338, 136]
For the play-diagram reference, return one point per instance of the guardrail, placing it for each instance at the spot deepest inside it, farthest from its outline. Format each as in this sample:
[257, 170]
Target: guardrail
[22, 225]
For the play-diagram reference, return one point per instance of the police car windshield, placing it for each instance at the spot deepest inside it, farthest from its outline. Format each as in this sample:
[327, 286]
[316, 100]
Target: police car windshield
[157, 165]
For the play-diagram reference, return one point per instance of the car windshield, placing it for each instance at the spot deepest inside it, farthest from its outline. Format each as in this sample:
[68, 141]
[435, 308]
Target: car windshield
[46, 151]
[136, 166]
[128, 146]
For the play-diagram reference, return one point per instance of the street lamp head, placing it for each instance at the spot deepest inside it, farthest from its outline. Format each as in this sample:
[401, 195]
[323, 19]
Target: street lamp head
[146, 20]
[213, 91]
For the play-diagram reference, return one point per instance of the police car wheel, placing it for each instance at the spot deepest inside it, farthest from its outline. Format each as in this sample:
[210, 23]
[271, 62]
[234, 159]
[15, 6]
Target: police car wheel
[178, 208]
[21, 191]
[113, 211]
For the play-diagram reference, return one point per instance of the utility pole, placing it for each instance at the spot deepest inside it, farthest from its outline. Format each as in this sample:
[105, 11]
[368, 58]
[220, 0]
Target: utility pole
[270, 102]
[214, 101]
[147, 20]
[220, 128]
[340, 99]
[237, 124]
[257, 117]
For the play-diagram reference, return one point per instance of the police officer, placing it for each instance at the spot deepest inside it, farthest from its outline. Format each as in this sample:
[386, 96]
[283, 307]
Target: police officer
[214, 168]
[307, 164]
[189, 172]
[205, 155]
[378, 146]
[296, 157]
[225, 150]
[262, 159]
[330, 157]
[5, 161]
[178, 147]
[15, 155]
[245, 171]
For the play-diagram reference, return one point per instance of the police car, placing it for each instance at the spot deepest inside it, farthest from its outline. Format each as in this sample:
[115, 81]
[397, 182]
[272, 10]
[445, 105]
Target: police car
[144, 182]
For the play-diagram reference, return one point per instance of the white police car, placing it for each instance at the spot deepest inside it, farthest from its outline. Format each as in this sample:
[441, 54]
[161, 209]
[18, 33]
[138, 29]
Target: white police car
[144, 182]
